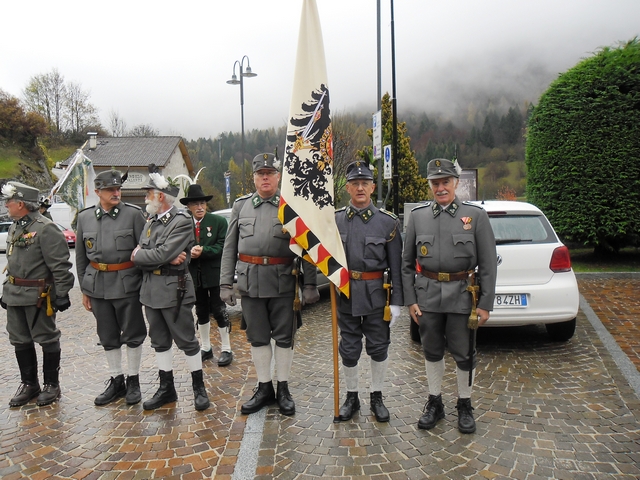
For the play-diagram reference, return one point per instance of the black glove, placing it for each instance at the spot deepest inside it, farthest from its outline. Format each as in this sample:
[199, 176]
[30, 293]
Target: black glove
[2, 304]
[62, 303]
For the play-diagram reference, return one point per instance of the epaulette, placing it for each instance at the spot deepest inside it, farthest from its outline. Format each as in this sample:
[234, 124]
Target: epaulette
[132, 205]
[472, 204]
[88, 208]
[426, 204]
[186, 213]
[341, 209]
[391, 214]
[244, 197]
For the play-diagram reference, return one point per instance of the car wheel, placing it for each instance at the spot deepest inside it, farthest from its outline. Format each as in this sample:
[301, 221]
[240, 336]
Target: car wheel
[561, 331]
[414, 329]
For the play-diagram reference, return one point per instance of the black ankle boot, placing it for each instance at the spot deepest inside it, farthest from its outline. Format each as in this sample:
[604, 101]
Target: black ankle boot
[350, 406]
[433, 411]
[115, 389]
[466, 423]
[166, 392]
[285, 401]
[133, 395]
[201, 399]
[51, 389]
[378, 408]
[263, 395]
[29, 387]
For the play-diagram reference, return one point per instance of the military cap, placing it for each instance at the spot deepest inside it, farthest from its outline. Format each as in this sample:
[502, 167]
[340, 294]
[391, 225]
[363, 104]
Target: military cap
[109, 178]
[359, 170]
[20, 191]
[266, 161]
[158, 182]
[441, 168]
[195, 194]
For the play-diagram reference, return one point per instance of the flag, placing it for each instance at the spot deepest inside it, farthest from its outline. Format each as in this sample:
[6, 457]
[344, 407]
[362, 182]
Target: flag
[306, 197]
[76, 187]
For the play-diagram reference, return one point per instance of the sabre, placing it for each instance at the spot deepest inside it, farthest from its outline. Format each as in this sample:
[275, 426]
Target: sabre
[472, 323]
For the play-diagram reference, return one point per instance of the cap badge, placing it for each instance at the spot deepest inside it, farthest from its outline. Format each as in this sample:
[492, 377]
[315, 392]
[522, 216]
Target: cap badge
[438, 163]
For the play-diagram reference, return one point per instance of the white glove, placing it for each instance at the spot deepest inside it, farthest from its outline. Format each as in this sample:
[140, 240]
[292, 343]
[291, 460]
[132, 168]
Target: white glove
[310, 294]
[395, 313]
[227, 295]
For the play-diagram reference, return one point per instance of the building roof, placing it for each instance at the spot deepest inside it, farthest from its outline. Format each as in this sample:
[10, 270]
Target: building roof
[134, 151]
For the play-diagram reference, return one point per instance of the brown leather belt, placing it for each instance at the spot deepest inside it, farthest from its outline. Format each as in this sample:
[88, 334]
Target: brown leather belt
[169, 272]
[446, 277]
[365, 275]
[265, 260]
[111, 267]
[25, 282]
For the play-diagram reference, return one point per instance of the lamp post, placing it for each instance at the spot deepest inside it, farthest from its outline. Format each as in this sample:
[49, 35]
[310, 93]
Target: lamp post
[234, 81]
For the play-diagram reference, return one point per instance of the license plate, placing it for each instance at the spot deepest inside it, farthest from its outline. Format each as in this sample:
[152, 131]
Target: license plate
[510, 300]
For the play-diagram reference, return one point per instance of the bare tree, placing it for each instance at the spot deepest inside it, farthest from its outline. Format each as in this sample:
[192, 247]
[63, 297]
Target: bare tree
[348, 138]
[143, 130]
[45, 94]
[79, 112]
[117, 125]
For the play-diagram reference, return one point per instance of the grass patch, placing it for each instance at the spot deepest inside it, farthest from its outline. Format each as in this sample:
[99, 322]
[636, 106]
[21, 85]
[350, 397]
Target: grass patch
[584, 260]
[9, 162]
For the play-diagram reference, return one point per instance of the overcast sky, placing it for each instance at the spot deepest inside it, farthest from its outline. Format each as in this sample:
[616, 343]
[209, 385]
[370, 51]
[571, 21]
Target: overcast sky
[167, 63]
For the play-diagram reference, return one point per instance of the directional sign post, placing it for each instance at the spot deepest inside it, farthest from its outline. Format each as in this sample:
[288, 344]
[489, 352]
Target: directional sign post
[227, 184]
[387, 162]
[377, 135]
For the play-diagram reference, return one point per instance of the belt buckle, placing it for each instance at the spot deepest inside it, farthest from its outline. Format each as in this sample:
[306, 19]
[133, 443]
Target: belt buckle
[157, 271]
[443, 277]
[12, 279]
[356, 275]
[103, 267]
[265, 260]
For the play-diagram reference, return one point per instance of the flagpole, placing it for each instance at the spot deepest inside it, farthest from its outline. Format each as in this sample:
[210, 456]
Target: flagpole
[336, 371]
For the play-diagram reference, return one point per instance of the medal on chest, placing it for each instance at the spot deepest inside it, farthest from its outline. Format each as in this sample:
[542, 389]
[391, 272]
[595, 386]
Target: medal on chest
[466, 223]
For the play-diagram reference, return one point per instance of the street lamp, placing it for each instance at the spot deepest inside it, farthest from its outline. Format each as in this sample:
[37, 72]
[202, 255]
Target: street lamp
[234, 81]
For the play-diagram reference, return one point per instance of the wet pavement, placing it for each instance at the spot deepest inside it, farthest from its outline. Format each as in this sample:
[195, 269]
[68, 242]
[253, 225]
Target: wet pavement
[544, 409]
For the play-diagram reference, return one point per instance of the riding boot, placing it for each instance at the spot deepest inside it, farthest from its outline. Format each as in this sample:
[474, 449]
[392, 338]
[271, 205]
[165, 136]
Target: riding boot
[51, 368]
[29, 387]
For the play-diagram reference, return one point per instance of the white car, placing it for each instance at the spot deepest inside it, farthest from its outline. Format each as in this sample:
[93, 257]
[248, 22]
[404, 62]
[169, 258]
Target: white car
[535, 282]
[4, 230]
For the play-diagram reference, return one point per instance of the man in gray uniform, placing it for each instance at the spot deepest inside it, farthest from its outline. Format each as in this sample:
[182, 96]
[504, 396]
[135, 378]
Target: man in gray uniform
[167, 291]
[107, 234]
[266, 282]
[37, 285]
[448, 239]
[373, 246]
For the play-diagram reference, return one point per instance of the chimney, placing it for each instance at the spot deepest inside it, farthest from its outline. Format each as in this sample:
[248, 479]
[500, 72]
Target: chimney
[93, 140]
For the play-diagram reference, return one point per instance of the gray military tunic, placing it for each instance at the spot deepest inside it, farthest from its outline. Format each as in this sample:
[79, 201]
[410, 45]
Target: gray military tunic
[372, 243]
[267, 290]
[109, 238]
[457, 239]
[36, 250]
[162, 240]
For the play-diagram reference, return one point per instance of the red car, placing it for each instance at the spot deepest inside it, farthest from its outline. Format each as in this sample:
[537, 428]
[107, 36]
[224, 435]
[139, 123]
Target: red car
[69, 235]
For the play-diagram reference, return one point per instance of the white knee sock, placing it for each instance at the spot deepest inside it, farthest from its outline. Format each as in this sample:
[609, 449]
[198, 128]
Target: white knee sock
[351, 378]
[134, 357]
[114, 360]
[205, 341]
[284, 359]
[464, 389]
[378, 374]
[262, 361]
[194, 362]
[225, 343]
[165, 360]
[435, 373]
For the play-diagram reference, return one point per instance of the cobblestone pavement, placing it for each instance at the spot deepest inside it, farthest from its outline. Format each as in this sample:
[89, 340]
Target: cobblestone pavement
[544, 410]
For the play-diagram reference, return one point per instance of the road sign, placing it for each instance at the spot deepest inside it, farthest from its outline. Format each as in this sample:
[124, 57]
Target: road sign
[227, 184]
[387, 162]
[377, 135]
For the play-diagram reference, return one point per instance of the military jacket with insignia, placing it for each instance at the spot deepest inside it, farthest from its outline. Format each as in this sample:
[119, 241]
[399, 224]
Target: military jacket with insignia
[372, 243]
[205, 269]
[449, 241]
[108, 237]
[161, 241]
[36, 249]
[254, 229]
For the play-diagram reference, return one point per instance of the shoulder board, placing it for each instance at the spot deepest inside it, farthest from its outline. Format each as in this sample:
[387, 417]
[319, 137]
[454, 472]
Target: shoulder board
[132, 205]
[391, 214]
[244, 197]
[88, 208]
[184, 213]
[472, 205]
[341, 209]
[428, 204]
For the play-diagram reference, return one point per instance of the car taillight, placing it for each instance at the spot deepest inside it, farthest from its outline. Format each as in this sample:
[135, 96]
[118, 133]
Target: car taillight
[560, 260]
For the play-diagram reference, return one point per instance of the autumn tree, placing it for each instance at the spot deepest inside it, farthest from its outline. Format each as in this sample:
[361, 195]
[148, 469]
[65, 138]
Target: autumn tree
[17, 125]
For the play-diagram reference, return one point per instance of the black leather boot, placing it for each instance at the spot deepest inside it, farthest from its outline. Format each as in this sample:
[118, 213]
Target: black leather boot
[29, 387]
[51, 389]
[350, 406]
[466, 423]
[166, 392]
[263, 395]
[133, 395]
[433, 411]
[115, 389]
[378, 408]
[285, 401]
[201, 399]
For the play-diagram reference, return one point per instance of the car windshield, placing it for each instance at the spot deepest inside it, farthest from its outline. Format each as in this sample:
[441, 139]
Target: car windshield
[521, 229]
